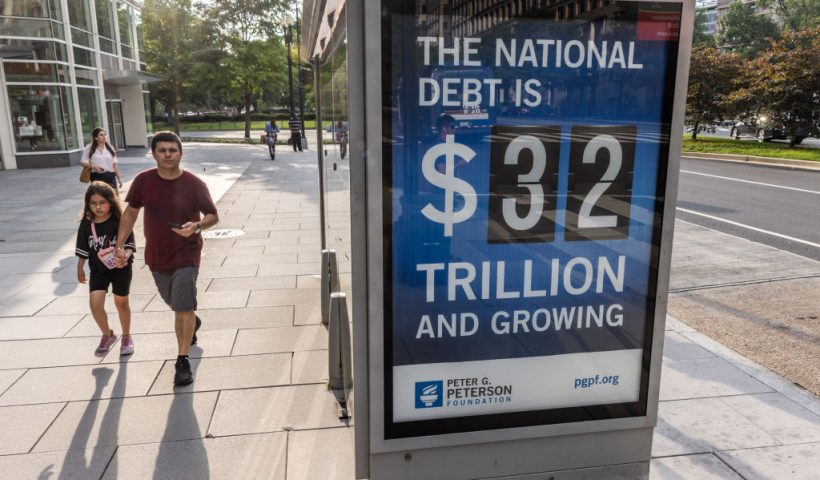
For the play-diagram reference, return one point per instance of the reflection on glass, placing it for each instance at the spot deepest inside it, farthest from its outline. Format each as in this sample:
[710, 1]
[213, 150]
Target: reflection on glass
[90, 110]
[43, 118]
[105, 25]
[36, 72]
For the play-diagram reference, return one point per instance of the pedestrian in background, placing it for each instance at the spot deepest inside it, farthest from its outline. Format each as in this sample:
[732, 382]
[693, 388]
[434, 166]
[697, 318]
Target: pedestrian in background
[102, 158]
[271, 132]
[296, 132]
[178, 207]
[96, 236]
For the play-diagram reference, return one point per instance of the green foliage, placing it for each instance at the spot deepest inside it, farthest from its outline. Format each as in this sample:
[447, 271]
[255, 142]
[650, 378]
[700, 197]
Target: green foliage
[699, 35]
[744, 31]
[253, 56]
[168, 27]
[784, 83]
[795, 14]
[712, 76]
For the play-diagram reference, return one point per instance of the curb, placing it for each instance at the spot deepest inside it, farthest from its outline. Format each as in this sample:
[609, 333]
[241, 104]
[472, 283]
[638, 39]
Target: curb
[807, 164]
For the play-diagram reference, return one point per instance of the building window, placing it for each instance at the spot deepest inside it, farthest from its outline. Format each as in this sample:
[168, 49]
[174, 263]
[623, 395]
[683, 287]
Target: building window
[126, 33]
[105, 26]
[43, 117]
[90, 110]
[25, 49]
[40, 72]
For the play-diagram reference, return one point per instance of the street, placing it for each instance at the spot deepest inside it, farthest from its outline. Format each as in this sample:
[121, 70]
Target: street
[770, 205]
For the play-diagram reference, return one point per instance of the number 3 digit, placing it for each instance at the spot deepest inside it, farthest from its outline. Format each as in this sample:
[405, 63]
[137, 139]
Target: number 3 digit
[530, 180]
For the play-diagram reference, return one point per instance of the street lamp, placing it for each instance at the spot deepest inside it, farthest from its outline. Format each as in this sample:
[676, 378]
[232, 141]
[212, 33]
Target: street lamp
[288, 40]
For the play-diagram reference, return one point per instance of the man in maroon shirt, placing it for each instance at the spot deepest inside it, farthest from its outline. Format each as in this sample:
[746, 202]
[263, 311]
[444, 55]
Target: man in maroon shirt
[174, 201]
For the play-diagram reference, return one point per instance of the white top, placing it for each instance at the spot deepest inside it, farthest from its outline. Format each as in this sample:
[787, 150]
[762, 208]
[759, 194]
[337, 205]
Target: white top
[102, 159]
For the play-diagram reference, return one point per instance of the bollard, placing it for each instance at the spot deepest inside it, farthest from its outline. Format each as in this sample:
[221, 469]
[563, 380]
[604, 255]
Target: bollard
[330, 281]
[340, 373]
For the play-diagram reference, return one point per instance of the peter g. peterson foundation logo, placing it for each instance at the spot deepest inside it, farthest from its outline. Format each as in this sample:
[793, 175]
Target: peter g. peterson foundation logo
[461, 392]
[429, 394]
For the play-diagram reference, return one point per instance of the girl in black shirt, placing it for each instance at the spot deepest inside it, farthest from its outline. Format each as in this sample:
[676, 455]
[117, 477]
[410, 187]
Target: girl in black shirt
[98, 232]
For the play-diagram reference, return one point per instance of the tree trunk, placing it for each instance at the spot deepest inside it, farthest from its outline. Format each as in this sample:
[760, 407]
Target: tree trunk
[176, 95]
[695, 130]
[247, 113]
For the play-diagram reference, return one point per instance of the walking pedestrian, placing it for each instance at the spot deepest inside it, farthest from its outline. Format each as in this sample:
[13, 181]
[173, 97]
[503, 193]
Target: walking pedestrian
[271, 132]
[96, 238]
[296, 132]
[102, 158]
[177, 207]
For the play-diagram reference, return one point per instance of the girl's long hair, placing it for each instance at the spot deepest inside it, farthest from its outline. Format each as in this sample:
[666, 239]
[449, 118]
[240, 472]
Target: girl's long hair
[104, 190]
[94, 143]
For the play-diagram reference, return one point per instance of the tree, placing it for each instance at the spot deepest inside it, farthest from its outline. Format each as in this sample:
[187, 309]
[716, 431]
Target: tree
[712, 75]
[252, 53]
[699, 35]
[783, 83]
[744, 31]
[795, 14]
[168, 27]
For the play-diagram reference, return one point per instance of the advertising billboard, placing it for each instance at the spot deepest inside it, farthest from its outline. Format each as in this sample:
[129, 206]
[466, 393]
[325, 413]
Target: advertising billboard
[524, 163]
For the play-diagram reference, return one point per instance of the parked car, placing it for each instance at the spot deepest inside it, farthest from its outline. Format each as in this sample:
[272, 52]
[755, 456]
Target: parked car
[764, 131]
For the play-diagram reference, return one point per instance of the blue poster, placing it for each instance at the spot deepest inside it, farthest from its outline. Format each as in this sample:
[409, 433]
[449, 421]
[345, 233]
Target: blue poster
[525, 161]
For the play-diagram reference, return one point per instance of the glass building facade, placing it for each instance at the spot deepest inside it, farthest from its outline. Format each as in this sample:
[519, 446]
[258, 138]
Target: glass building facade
[69, 66]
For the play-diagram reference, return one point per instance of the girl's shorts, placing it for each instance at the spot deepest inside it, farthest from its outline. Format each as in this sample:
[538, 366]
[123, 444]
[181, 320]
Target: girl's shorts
[118, 278]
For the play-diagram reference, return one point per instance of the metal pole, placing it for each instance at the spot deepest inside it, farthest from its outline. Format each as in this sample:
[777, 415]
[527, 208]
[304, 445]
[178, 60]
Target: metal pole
[288, 40]
[299, 68]
[319, 149]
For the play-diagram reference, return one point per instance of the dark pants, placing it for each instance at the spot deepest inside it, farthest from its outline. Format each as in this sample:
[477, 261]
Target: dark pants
[107, 177]
[296, 140]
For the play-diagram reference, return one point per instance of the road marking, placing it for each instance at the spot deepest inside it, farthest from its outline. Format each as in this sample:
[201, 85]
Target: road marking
[754, 183]
[743, 225]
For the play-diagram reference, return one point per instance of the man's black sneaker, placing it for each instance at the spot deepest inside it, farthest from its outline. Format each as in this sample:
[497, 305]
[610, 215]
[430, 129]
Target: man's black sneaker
[198, 324]
[183, 374]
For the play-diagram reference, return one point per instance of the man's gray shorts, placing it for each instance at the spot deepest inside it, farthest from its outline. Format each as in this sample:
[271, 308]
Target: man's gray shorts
[178, 289]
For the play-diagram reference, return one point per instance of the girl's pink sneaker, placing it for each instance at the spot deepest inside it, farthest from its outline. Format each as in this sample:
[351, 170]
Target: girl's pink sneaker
[106, 342]
[126, 345]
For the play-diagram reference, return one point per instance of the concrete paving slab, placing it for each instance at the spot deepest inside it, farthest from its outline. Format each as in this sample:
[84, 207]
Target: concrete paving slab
[262, 410]
[705, 377]
[229, 271]
[232, 260]
[290, 268]
[308, 314]
[73, 465]
[310, 366]
[780, 462]
[676, 347]
[215, 319]
[163, 346]
[228, 373]
[8, 377]
[48, 385]
[264, 298]
[252, 283]
[24, 424]
[128, 421]
[206, 300]
[49, 352]
[273, 340]
[26, 303]
[29, 328]
[702, 426]
[248, 456]
[317, 454]
[786, 421]
[74, 305]
[700, 467]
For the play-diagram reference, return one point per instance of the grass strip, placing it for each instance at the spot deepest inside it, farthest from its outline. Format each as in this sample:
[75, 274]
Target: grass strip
[749, 147]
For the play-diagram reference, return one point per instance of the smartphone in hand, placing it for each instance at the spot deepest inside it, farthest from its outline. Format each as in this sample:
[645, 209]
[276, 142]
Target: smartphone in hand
[174, 225]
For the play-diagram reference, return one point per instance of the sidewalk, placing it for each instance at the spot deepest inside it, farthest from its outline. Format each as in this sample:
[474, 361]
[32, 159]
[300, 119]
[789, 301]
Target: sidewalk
[259, 407]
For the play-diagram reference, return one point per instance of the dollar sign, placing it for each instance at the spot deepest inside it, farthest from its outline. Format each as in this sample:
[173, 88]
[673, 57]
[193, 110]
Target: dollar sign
[449, 183]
